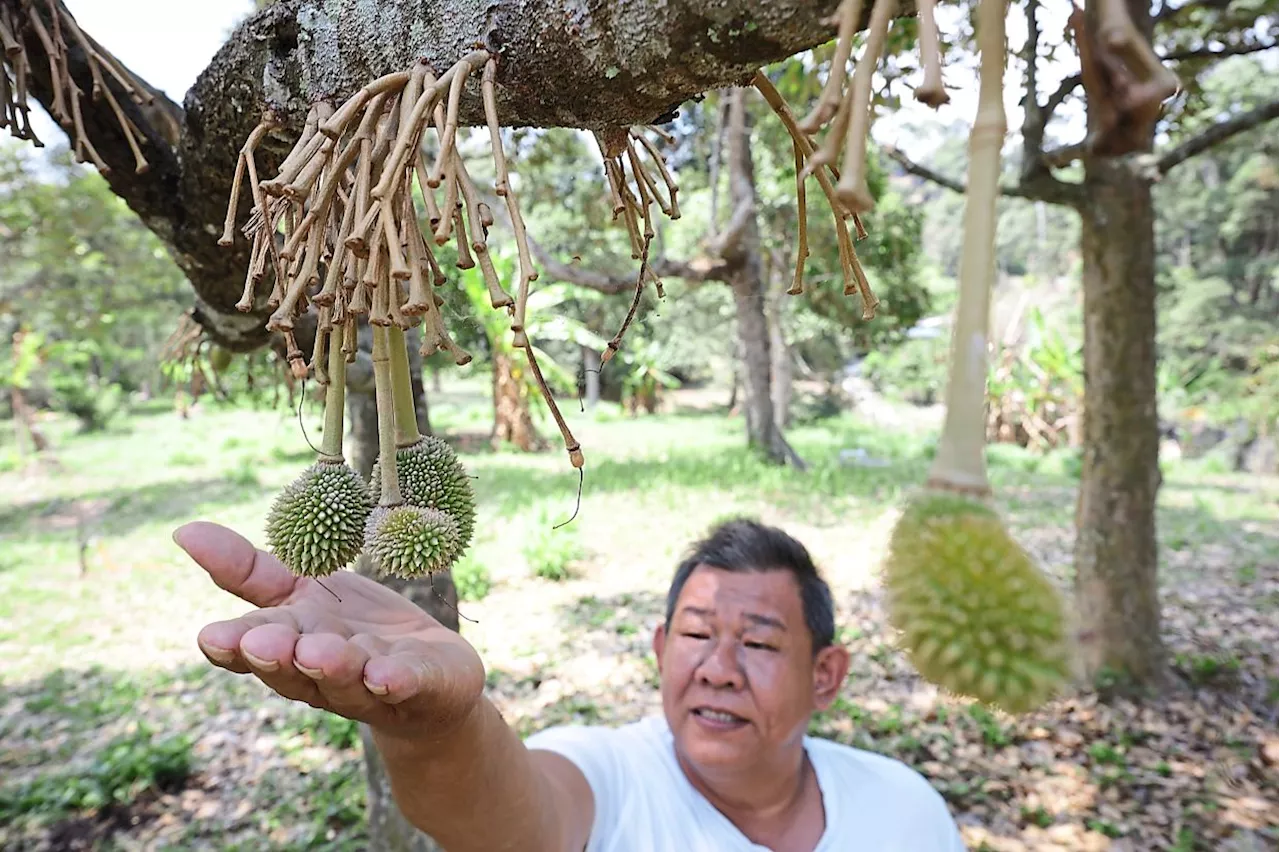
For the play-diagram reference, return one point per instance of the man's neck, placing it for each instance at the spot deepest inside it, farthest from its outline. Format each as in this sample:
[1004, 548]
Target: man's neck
[766, 802]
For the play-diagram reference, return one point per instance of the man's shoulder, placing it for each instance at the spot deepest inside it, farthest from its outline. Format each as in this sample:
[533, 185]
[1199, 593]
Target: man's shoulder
[618, 740]
[881, 797]
[855, 765]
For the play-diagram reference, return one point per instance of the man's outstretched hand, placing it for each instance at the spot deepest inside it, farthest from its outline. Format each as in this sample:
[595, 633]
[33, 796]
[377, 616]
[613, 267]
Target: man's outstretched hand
[372, 656]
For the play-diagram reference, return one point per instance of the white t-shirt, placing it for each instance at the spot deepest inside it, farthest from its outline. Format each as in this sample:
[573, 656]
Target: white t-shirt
[644, 802]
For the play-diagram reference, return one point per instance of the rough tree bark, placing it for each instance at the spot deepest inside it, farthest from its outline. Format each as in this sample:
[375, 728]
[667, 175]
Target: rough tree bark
[512, 421]
[1116, 554]
[1115, 550]
[781, 372]
[739, 246]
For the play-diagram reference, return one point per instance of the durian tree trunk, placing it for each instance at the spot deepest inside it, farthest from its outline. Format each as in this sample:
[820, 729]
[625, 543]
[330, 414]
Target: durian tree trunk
[780, 367]
[512, 421]
[1115, 552]
[740, 247]
[389, 831]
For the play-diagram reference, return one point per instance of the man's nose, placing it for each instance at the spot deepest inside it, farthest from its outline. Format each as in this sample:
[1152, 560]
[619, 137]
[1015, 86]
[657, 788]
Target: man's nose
[720, 668]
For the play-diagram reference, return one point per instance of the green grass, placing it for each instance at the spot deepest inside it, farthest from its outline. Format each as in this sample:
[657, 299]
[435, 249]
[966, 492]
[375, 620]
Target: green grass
[86, 654]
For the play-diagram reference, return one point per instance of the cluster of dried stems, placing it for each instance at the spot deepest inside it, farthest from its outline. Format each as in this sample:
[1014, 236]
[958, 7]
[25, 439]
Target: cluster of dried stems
[338, 225]
[51, 27]
[847, 109]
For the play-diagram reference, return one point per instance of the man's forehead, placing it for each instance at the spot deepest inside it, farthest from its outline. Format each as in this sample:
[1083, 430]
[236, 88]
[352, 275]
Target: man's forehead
[770, 593]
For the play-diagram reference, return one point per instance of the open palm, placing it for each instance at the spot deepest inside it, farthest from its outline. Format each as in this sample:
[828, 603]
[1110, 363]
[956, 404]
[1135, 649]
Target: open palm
[355, 648]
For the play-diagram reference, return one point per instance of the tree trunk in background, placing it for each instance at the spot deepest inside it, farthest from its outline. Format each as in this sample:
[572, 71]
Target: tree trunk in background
[1115, 553]
[512, 422]
[389, 831]
[741, 250]
[780, 369]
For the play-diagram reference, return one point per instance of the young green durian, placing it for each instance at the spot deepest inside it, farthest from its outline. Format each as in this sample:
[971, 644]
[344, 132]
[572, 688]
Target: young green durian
[402, 539]
[409, 541]
[977, 617]
[432, 477]
[974, 613]
[316, 524]
[429, 473]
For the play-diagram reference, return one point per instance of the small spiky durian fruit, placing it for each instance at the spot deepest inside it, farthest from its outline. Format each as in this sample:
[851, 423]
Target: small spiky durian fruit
[316, 524]
[976, 615]
[432, 477]
[410, 541]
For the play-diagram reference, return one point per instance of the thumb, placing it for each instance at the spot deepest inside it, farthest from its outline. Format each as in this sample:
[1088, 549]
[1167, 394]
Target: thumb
[234, 564]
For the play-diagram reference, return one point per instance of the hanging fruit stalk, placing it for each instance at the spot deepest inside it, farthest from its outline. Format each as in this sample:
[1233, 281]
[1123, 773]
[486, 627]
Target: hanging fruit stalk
[316, 524]
[975, 614]
[401, 539]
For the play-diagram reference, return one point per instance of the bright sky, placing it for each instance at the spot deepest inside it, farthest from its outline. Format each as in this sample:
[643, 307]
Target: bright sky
[168, 44]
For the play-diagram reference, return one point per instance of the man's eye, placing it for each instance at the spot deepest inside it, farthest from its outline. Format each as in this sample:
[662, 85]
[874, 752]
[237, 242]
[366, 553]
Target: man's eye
[760, 646]
[693, 634]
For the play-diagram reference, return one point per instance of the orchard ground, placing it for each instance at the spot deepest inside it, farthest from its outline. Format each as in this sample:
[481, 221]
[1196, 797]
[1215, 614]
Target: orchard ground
[114, 733]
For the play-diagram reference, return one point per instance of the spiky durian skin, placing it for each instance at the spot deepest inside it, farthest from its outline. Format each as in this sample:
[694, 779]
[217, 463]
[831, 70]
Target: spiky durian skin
[316, 524]
[432, 477]
[410, 541]
[976, 616]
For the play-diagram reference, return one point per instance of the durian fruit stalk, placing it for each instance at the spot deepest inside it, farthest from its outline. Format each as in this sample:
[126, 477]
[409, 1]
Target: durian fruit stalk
[428, 472]
[401, 539]
[316, 524]
[975, 614]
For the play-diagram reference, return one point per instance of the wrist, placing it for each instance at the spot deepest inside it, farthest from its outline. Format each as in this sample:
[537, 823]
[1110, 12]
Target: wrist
[428, 731]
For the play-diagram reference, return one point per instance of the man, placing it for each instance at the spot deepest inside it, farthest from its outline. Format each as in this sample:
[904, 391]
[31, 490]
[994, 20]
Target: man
[746, 656]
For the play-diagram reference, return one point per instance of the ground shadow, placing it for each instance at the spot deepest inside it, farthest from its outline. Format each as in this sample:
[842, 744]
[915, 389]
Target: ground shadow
[118, 511]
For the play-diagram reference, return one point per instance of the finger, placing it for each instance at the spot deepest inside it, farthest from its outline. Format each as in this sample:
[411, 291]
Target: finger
[236, 565]
[336, 665]
[220, 640]
[268, 650]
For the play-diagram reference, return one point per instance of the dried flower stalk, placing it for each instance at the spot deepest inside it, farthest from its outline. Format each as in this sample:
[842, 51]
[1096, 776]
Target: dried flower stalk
[67, 94]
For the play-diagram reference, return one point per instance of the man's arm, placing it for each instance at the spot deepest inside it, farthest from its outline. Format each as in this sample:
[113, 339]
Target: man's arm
[358, 649]
[478, 788]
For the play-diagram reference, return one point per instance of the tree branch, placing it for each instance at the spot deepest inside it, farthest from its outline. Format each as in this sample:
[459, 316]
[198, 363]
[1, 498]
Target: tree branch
[1209, 53]
[1218, 133]
[563, 64]
[1039, 188]
[1034, 117]
[914, 168]
[1064, 90]
[698, 269]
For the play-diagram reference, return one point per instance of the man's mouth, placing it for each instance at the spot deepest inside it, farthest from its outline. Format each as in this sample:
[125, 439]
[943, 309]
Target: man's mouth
[718, 717]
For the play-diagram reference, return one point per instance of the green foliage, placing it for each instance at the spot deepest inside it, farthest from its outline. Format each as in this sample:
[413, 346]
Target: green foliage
[914, 371]
[1035, 391]
[471, 578]
[88, 281]
[550, 553]
[128, 766]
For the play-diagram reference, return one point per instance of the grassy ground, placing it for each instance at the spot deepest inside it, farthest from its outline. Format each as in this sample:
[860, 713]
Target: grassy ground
[114, 735]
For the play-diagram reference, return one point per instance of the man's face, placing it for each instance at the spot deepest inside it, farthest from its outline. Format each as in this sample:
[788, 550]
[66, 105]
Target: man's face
[739, 676]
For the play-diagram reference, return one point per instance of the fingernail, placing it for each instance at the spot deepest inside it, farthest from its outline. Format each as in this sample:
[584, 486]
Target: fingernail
[218, 655]
[377, 688]
[314, 674]
[259, 663]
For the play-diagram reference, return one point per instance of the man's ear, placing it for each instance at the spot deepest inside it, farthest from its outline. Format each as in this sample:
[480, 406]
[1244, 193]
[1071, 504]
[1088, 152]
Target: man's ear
[830, 668]
[659, 642]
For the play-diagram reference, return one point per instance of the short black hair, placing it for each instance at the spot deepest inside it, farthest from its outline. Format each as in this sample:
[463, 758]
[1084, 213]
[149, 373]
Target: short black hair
[741, 545]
